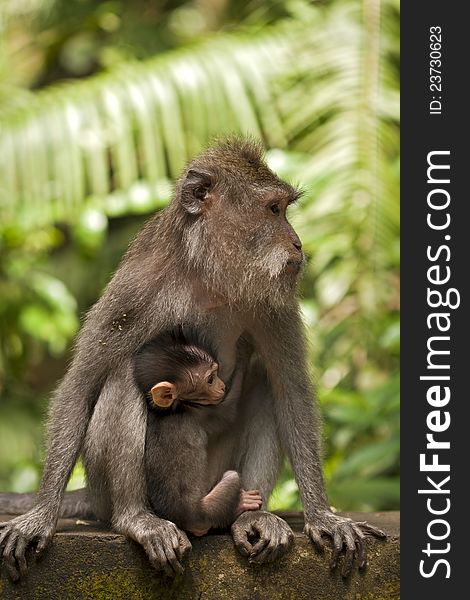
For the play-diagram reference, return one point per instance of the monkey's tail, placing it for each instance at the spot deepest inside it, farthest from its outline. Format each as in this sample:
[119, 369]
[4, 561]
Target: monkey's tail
[75, 505]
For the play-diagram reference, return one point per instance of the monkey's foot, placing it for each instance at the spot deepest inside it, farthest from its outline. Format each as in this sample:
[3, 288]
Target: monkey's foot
[344, 533]
[261, 536]
[198, 532]
[164, 543]
[249, 500]
[34, 528]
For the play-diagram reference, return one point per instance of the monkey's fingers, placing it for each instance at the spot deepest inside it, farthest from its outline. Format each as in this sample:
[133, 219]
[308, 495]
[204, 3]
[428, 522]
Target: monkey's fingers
[250, 500]
[252, 495]
[259, 546]
[337, 548]
[42, 544]
[272, 551]
[348, 561]
[184, 545]
[175, 547]
[240, 533]
[276, 547]
[361, 549]
[361, 554]
[315, 534]
[355, 533]
[162, 541]
[4, 531]
[361, 530]
[347, 536]
[157, 557]
[343, 537]
[16, 536]
[173, 561]
[8, 542]
[250, 505]
[371, 530]
[20, 555]
[275, 538]
[161, 553]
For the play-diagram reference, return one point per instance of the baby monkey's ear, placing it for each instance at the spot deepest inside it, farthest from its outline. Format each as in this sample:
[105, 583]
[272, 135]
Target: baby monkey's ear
[164, 394]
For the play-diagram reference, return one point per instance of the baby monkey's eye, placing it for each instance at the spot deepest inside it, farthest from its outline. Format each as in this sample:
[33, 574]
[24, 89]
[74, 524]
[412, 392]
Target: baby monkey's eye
[274, 208]
[210, 379]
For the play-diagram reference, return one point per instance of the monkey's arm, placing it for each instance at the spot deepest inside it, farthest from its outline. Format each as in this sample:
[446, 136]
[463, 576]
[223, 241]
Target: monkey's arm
[69, 417]
[115, 445]
[281, 343]
[71, 409]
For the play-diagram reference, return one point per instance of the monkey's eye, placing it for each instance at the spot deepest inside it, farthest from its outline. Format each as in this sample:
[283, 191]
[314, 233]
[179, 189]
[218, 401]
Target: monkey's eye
[274, 208]
[210, 379]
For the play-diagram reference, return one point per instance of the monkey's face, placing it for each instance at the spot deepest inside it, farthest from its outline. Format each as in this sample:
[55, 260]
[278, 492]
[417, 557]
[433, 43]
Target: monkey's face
[237, 234]
[199, 385]
[202, 386]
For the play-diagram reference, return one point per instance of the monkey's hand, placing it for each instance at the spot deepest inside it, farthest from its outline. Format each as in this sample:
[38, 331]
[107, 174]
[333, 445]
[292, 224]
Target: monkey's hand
[344, 533]
[34, 528]
[164, 543]
[249, 500]
[261, 536]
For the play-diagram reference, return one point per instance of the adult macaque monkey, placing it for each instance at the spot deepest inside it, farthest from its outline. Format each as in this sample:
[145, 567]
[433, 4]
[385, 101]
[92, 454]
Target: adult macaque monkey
[180, 380]
[223, 259]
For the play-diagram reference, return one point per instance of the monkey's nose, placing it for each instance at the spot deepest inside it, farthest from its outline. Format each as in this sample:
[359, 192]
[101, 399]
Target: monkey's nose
[298, 244]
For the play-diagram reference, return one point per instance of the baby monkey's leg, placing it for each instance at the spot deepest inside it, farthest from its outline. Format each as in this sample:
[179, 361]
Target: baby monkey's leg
[220, 505]
[224, 503]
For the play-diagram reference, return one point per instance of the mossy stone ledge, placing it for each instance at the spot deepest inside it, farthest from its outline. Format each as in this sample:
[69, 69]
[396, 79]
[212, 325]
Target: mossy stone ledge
[87, 561]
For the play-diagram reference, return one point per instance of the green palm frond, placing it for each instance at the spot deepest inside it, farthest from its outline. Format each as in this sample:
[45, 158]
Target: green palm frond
[344, 115]
[112, 140]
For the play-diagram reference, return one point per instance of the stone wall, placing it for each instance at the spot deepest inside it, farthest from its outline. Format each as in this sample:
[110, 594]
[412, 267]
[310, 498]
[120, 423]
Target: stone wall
[88, 561]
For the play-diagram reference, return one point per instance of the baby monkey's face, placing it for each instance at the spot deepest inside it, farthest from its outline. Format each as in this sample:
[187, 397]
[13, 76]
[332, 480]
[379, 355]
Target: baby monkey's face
[199, 385]
[202, 385]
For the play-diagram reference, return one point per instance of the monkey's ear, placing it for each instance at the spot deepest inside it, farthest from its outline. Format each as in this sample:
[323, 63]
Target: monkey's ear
[164, 394]
[196, 191]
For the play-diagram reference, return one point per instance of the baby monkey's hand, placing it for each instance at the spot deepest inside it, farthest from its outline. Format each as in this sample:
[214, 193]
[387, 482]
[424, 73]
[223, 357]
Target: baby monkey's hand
[249, 500]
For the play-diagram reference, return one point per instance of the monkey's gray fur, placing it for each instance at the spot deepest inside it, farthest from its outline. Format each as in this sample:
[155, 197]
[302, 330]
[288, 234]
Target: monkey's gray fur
[223, 259]
[182, 484]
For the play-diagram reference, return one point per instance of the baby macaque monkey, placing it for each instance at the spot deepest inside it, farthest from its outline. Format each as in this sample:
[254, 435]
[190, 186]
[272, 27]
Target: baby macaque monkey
[181, 382]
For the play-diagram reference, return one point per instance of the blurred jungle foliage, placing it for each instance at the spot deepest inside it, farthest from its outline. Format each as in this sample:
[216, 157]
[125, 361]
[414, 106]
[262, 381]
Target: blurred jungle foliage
[102, 102]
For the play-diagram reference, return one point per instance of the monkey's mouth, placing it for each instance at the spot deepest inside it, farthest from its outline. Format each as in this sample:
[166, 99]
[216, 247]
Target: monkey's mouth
[218, 401]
